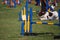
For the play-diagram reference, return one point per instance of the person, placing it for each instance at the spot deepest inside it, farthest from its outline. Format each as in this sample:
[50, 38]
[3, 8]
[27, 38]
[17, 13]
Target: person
[43, 5]
[18, 2]
[37, 2]
[29, 1]
[43, 8]
[11, 3]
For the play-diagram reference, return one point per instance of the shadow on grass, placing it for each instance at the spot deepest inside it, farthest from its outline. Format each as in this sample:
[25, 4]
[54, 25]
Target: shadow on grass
[37, 34]
[57, 37]
[43, 34]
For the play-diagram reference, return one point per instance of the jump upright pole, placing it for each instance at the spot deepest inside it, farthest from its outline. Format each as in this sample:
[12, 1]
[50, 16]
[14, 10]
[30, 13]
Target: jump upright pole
[59, 16]
[31, 16]
[26, 6]
[27, 9]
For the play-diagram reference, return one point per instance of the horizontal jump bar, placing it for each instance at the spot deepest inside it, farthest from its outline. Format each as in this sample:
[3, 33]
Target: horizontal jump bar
[48, 23]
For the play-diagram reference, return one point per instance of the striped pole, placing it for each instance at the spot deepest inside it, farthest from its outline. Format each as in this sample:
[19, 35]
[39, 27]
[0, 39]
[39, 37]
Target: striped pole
[25, 20]
[25, 27]
[26, 6]
[28, 23]
[23, 24]
[47, 23]
[31, 14]
[59, 16]
[22, 28]
[20, 16]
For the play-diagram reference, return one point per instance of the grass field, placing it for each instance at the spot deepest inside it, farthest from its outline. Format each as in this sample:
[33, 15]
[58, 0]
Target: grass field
[10, 27]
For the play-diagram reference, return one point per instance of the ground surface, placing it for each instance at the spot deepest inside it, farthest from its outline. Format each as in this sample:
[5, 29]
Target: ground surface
[10, 27]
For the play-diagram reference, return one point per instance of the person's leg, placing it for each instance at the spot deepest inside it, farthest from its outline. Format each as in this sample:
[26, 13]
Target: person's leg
[37, 2]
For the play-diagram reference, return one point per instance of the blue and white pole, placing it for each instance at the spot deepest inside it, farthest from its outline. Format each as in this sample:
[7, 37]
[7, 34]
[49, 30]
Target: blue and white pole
[59, 16]
[31, 14]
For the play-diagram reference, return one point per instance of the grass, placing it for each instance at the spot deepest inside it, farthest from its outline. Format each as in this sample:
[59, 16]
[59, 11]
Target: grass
[10, 27]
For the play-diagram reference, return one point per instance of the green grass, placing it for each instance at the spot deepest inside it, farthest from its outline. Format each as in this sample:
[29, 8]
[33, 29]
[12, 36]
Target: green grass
[10, 27]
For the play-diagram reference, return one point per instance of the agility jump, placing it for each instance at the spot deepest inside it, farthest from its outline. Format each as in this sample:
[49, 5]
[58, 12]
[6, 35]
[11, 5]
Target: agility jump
[26, 26]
